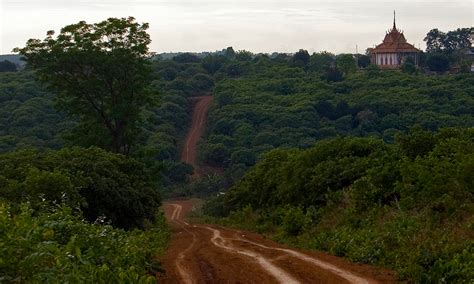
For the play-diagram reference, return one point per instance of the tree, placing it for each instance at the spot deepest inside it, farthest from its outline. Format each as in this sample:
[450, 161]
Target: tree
[438, 41]
[435, 40]
[243, 55]
[438, 62]
[100, 73]
[186, 58]
[213, 63]
[409, 66]
[101, 183]
[458, 39]
[333, 74]
[372, 70]
[301, 58]
[363, 60]
[7, 66]
[229, 52]
[320, 62]
[346, 63]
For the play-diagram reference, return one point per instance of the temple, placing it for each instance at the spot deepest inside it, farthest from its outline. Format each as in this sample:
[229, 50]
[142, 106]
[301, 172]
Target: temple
[394, 49]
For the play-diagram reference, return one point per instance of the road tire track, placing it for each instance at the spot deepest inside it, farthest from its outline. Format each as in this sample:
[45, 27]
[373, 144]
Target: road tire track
[184, 273]
[201, 253]
[351, 277]
[278, 273]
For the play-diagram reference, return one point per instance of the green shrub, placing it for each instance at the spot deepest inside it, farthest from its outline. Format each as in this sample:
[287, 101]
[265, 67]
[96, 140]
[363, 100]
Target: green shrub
[56, 246]
[102, 184]
[408, 206]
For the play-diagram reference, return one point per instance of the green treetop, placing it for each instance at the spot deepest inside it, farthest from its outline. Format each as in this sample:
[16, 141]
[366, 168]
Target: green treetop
[100, 73]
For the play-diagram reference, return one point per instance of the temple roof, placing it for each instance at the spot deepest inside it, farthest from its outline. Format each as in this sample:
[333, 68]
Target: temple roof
[394, 41]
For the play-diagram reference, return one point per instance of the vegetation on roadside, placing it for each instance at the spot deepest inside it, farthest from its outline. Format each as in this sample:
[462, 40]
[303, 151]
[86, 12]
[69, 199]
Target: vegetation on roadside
[407, 206]
[78, 215]
[55, 245]
[79, 202]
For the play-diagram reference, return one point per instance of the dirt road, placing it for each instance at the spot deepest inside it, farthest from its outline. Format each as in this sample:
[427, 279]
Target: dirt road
[201, 253]
[198, 124]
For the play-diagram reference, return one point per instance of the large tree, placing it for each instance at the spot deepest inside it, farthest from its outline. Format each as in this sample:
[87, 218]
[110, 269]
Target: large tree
[100, 73]
[346, 63]
[301, 58]
[438, 41]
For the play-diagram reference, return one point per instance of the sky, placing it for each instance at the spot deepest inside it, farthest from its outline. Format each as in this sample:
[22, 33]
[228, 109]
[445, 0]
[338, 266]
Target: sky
[338, 26]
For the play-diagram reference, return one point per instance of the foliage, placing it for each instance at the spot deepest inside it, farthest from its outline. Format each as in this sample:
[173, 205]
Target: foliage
[186, 58]
[301, 58]
[55, 245]
[448, 49]
[363, 60]
[102, 184]
[346, 63]
[278, 105]
[408, 206]
[7, 66]
[438, 41]
[437, 62]
[27, 115]
[320, 62]
[408, 67]
[206, 186]
[100, 74]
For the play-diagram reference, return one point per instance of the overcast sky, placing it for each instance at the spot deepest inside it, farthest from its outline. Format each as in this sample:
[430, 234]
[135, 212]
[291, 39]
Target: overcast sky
[257, 25]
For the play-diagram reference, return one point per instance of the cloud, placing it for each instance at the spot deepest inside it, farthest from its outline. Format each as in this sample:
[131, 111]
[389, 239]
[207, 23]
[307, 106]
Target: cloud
[257, 25]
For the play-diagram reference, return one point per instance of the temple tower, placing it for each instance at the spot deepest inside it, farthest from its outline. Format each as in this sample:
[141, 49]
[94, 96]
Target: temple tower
[394, 49]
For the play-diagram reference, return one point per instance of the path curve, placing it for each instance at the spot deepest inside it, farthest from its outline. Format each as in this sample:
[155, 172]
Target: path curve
[202, 253]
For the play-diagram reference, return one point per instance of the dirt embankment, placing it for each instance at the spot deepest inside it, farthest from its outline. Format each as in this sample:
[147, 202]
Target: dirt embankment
[201, 253]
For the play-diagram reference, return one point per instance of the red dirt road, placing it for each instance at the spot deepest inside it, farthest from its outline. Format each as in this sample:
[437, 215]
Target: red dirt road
[198, 124]
[201, 253]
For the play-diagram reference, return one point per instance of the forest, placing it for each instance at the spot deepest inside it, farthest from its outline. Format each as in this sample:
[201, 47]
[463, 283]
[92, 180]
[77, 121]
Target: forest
[277, 105]
[320, 151]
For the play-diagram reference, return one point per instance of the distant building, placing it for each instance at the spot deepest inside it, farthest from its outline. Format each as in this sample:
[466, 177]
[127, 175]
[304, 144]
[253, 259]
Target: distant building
[394, 49]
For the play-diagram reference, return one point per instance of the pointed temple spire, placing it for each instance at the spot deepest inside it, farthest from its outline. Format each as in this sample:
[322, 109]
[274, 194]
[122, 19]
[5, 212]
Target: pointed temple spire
[394, 25]
[394, 49]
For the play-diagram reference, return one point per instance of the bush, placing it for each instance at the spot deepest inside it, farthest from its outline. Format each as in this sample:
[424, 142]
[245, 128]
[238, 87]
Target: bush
[102, 184]
[294, 221]
[56, 246]
[406, 206]
[438, 62]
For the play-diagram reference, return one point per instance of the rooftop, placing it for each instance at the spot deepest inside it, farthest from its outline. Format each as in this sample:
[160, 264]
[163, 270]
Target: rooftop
[394, 41]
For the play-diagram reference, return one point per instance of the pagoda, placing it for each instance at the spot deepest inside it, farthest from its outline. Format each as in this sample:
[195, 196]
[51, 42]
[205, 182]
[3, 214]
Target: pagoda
[394, 49]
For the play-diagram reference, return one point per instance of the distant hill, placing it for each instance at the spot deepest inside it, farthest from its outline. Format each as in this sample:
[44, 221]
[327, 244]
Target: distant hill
[14, 58]
[170, 55]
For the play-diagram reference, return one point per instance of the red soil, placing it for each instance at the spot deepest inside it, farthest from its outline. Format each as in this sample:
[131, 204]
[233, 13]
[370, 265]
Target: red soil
[201, 253]
[198, 124]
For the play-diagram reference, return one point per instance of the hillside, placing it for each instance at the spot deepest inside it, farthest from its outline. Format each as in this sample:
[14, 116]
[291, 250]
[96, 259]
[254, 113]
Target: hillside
[274, 105]
[407, 206]
[14, 58]
[359, 167]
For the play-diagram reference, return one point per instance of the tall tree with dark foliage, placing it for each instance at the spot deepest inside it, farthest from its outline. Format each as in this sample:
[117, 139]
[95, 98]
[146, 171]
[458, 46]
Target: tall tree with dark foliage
[100, 73]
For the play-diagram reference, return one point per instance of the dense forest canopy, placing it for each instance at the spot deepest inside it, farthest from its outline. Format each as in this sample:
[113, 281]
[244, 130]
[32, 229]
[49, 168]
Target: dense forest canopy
[274, 105]
[28, 117]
